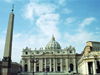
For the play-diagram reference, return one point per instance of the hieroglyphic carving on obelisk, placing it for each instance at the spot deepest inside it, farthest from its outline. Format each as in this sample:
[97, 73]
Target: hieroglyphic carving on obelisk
[6, 61]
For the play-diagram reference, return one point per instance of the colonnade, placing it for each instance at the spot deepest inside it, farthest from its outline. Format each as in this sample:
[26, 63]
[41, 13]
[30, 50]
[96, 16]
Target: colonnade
[53, 65]
[86, 67]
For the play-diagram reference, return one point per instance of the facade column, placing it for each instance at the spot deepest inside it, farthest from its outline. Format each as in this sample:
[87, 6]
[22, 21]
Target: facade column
[23, 65]
[96, 64]
[67, 65]
[56, 64]
[45, 65]
[53, 65]
[40, 65]
[61, 64]
[50, 65]
[94, 67]
[29, 66]
[87, 68]
[34, 67]
[74, 65]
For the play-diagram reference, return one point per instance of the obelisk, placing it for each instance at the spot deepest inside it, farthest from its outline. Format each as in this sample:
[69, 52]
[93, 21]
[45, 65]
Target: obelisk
[6, 61]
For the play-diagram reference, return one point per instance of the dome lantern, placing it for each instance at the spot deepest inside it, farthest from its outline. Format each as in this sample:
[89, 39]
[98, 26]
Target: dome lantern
[53, 38]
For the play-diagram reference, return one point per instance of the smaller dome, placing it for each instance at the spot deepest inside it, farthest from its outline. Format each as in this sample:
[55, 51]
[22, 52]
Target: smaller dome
[53, 44]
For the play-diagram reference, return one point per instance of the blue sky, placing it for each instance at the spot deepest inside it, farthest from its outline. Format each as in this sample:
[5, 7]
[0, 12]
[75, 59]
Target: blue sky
[72, 22]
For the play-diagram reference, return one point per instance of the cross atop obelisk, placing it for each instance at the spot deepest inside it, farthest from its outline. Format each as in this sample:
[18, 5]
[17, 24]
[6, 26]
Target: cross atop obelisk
[6, 61]
[12, 7]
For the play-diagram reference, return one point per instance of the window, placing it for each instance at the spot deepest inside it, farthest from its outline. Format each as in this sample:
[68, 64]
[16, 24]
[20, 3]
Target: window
[58, 60]
[47, 60]
[52, 60]
[37, 69]
[70, 51]
[47, 64]
[37, 60]
[26, 53]
[70, 60]
[58, 52]
[43, 60]
[92, 49]
[25, 60]
[37, 52]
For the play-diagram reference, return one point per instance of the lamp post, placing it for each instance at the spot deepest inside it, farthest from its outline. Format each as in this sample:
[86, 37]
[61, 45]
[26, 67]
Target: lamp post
[33, 60]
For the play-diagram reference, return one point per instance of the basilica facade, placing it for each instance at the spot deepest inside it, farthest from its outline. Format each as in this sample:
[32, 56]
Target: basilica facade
[52, 59]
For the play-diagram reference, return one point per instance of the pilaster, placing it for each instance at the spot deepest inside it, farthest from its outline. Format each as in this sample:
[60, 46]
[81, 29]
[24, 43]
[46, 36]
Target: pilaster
[87, 68]
[74, 65]
[94, 67]
[23, 62]
[34, 67]
[67, 65]
[50, 65]
[53, 65]
[45, 65]
[29, 66]
[56, 64]
[61, 64]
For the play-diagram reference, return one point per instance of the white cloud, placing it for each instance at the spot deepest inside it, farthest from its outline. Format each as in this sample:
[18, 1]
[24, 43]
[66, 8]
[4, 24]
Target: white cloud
[28, 11]
[17, 35]
[7, 0]
[98, 32]
[87, 21]
[67, 11]
[2, 44]
[69, 20]
[47, 24]
[34, 9]
[79, 38]
[62, 2]
[97, 28]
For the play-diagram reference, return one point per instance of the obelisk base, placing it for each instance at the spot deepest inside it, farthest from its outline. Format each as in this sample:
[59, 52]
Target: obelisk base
[6, 68]
[5, 71]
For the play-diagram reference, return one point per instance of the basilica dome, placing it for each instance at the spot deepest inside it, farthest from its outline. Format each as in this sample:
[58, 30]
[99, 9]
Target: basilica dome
[53, 44]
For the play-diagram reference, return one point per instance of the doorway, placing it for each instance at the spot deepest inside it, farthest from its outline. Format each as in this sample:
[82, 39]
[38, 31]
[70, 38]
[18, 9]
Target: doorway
[90, 67]
[71, 67]
[98, 67]
[47, 69]
[26, 68]
[58, 68]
